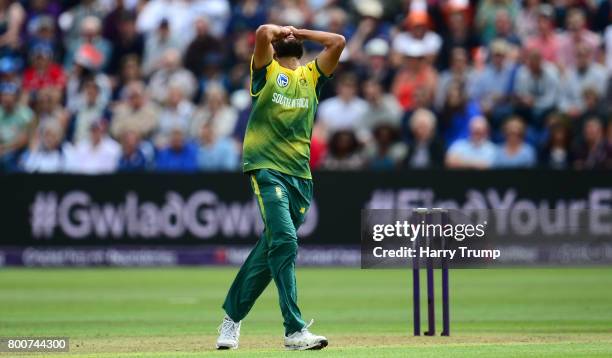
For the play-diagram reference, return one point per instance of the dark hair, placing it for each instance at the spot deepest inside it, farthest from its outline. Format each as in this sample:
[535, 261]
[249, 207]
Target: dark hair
[459, 86]
[386, 128]
[374, 81]
[89, 81]
[288, 48]
[334, 141]
[558, 127]
[348, 78]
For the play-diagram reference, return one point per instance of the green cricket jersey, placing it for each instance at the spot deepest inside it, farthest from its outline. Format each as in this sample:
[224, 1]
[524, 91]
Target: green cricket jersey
[280, 125]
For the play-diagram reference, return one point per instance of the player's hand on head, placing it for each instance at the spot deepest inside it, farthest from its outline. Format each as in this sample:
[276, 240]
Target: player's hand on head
[285, 31]
[294, 31]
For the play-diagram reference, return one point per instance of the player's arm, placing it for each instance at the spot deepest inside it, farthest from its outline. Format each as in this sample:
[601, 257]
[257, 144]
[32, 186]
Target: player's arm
[264, 36]
[327, 60]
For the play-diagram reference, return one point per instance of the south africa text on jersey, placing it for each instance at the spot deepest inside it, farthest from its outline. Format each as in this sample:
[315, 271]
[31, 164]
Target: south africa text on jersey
[289, 102]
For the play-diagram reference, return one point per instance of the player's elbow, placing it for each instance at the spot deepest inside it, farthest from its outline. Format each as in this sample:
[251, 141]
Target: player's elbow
[263, 31]
[338, 41]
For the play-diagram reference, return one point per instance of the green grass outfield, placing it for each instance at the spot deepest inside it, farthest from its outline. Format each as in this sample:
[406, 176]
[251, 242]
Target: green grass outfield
[174, 312]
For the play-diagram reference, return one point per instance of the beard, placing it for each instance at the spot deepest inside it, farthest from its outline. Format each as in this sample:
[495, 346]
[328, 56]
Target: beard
[288, 48]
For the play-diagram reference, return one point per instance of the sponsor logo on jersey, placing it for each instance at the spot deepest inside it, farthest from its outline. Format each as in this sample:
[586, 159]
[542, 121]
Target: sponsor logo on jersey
[282, 80]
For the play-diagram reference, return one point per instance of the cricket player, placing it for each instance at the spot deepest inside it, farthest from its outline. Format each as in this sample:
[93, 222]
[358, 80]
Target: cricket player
[276, 157]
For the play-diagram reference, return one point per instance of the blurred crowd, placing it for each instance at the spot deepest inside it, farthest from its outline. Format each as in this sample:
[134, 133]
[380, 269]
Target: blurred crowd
[102, 86]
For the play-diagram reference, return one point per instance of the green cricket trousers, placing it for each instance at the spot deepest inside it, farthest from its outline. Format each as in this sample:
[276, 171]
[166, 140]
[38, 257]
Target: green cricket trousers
[283, 202]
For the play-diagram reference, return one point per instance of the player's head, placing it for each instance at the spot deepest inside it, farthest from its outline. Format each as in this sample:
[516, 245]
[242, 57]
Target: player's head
[288, 46]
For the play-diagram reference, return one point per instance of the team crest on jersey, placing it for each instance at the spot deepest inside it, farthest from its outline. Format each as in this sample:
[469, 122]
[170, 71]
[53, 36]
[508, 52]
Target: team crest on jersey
[303, 82]
[282, 80]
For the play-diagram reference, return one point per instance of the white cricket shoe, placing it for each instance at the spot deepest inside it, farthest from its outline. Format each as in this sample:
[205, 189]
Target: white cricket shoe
[303, 340]
[229, 332]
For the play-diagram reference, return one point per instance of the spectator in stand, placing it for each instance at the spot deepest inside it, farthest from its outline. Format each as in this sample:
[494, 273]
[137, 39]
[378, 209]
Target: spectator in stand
[418, 35]
[157, 43]
[203, 45]
[71, 21]
[382, 108]
[247, 15]
[240, 99]
[47, 105]
[130, 72]
[491, 87]
[289, 12]
[577, 34]
[132, 158]
[176, 112]
[113, 15]
[421, 101]
[586, 74]
[216, 111]
[48, 108]
[456, 113]
[216, 153]
[216, 11]
[415, 74]
[9, 70]
[86, 67]
[98, 154]
[171, 74]
[135, 113]
[556, 154]
[344, 152]
[593, 152]
[385, 152]
[476, 152]
[179, 155]
[458, 34]
[343, 111]
[505, 32]
[130, 43]
[486, 16]
[527, 19]
[514, 152]
[234, 78]
[178, 14]
[214, 73]
[537, 88]
[504, 29]
[425, 149]
[602, 16]
[12, 14]
[43, 29]
[370, 27]
[546, 39]
[91, 28]
[43, 71]
[47, 155]
[15, 126]
[459, 71]
[375, 64]
[594, 106]
[371, 18]
[90, 110]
